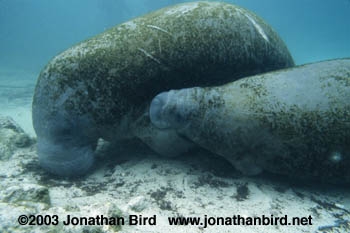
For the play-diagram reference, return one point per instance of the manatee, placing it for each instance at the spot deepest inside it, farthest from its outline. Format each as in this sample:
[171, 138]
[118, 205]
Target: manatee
[292, 121]
[102, 87]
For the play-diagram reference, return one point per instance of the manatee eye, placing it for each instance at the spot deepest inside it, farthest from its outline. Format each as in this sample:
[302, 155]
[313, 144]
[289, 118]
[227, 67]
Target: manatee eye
[57, 128]
[64, 131]
[178, 117]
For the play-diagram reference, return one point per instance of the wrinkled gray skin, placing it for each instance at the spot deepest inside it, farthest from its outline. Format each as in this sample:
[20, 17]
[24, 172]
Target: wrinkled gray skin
[102, 87]
[294, 121]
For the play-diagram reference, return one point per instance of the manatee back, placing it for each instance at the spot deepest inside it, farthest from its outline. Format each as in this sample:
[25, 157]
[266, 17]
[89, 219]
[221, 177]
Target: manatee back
[119, 71]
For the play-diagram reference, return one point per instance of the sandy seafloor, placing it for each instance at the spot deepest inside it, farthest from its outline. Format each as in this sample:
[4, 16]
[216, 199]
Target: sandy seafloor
[136, 181]
[16, 91]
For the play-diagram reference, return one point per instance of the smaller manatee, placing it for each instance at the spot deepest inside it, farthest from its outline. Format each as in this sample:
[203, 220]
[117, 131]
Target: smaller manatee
[294, 121]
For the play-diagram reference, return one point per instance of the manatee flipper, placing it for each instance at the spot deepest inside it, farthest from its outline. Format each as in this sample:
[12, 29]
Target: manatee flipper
[165, 142]
[247, 165]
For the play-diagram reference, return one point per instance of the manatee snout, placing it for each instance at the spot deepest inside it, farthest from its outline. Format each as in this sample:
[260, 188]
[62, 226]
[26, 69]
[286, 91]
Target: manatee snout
[66, 147]
[65, 160]
[170, 110]
[158, 109]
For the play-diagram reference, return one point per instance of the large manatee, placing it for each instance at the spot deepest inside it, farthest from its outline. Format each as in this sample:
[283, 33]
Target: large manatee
[294, 121]
[102, 87]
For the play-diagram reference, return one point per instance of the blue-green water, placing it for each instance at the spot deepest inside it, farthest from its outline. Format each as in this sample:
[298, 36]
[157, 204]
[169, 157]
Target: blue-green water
[33, 31]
